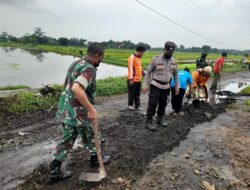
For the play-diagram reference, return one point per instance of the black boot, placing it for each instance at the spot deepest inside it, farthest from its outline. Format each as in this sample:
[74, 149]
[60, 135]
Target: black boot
[55, 173]
[160, 121]
[150, 125]
[94, 160]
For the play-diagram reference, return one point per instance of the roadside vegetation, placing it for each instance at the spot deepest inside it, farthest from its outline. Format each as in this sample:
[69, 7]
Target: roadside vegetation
[28, 101]
[14, 87]
[244, 105]
[245, 90]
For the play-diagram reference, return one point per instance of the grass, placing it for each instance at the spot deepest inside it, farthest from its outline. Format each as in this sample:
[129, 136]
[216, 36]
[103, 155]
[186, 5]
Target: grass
[247, 102]
[232, 68]
[118, 56]
[111, 86]
[27, 101]
[245, 90]
[14, 87]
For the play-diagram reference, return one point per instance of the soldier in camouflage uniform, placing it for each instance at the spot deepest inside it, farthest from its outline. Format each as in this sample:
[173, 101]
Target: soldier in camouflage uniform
[76, 111]
[201, 62]
[160, 71]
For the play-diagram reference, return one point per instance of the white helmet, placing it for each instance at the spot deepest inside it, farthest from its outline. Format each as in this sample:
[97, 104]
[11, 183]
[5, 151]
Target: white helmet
[208, 69]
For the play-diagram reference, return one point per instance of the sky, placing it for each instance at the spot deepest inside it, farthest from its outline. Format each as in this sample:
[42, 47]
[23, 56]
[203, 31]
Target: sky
[218, 23]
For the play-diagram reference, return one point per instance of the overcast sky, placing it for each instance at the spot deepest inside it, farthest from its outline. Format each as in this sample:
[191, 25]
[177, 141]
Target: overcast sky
[224, 21]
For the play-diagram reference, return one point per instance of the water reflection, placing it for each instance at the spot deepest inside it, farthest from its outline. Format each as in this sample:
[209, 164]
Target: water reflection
[36, 68]
[39, 54]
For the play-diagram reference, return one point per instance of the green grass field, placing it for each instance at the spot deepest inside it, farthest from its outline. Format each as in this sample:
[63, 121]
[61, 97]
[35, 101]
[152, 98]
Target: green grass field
[120, 56]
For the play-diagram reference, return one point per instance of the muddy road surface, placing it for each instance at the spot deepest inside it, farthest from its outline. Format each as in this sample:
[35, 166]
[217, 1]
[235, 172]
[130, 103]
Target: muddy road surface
[27, 142]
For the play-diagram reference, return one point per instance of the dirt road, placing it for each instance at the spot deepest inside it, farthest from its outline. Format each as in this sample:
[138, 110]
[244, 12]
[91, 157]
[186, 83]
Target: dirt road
[28, 140]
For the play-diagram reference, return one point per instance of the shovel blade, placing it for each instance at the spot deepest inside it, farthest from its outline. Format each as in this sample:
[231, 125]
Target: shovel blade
[91, 177]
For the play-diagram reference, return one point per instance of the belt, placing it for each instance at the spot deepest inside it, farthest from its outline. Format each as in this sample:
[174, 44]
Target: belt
[163, 83]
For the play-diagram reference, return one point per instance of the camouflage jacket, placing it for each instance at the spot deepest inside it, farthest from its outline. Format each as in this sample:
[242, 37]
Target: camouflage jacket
[201, 63]
[70, 111]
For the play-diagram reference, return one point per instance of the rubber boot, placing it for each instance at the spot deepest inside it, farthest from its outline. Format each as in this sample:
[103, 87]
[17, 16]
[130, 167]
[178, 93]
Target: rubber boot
[55, 173]
[150, 125]
[94, 160]
[160, 121]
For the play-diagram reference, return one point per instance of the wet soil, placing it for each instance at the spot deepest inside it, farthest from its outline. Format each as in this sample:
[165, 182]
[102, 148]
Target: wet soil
[214, 156]
[131, 146]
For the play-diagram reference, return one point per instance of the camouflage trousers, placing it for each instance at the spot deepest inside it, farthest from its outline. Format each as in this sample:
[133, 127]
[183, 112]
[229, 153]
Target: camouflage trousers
[70, 134]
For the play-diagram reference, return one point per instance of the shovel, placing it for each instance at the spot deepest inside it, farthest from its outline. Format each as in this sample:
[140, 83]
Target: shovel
[95, 177]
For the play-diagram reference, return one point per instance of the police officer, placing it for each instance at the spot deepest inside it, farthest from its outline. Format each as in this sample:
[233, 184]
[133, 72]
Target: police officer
[162, 68]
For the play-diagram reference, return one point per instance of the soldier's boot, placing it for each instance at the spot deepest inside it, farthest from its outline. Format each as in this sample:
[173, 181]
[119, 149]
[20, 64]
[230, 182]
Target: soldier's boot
[55, 173]
[94, 160]
[160, 121]
[150, 125]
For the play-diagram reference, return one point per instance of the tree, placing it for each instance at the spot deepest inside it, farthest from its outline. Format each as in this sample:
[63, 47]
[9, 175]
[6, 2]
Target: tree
[63, 41]
[206, 48]
[182, 47]
[38, 36]
[4, 37]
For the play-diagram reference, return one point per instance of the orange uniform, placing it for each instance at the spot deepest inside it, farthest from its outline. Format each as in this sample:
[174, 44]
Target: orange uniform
[134, 68]
[199, 78]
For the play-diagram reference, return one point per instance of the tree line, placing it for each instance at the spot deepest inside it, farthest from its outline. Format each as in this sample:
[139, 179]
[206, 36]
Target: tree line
[39, 37]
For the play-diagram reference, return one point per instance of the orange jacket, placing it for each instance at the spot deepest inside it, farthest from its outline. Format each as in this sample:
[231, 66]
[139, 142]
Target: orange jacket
[199, 78]
[134, 68]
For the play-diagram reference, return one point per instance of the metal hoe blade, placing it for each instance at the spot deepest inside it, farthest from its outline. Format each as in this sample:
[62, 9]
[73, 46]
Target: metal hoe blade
[102, 173]
[95, 177]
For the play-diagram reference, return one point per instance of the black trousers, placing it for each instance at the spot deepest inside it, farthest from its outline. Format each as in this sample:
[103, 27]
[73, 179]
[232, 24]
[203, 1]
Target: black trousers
[176, 100]
[157, 97]
[134, 92]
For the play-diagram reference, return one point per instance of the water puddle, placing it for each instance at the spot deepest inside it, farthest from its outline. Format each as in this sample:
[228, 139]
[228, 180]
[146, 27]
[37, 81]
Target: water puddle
[227, 94]
[236, 87]
[22, 161]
